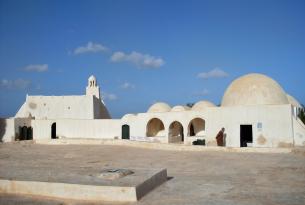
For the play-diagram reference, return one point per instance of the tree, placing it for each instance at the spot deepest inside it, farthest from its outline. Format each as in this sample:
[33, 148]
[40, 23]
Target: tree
[190, 104]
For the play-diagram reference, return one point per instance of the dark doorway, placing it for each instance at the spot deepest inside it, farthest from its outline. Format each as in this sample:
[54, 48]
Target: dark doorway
[125, 132]
[23, 133]
[175, 134]
[246, 135]
[192, 132]
[53, 131]
[29, 133]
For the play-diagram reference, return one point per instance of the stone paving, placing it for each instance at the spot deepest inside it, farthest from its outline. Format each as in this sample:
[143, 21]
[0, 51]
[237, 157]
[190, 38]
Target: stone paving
[209, 177]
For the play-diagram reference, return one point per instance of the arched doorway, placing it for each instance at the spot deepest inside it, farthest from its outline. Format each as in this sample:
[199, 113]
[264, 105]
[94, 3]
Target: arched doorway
[53, 131]
[175, 132]
[125, 132]
[196, 127]
[155, 127]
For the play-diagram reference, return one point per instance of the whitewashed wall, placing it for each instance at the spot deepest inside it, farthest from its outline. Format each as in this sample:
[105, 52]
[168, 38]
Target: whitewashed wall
[299, 132]
[42, 129]
[278, 127]
[57, 107]
[68, 128]
[275, 121]
[7, 130]
[10, 128]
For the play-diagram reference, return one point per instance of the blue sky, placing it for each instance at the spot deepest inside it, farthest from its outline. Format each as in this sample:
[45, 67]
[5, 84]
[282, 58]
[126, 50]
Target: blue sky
[147, 51]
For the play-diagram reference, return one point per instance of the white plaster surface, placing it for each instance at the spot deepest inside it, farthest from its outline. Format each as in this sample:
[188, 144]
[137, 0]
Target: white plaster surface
[253, 99]
[84, 186]
[254, 89]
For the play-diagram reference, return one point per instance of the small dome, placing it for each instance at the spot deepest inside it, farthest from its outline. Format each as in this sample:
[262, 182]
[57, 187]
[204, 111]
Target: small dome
[201, 105]
[293, 101]
[179, 108]
[254, 89]
[92, 78]
[159, 107]
[128, 116]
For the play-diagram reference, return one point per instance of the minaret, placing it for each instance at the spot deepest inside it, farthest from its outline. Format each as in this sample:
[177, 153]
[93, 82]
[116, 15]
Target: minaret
[93, 88]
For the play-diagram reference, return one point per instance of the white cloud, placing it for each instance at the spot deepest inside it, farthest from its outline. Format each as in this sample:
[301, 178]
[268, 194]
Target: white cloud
[203, 92]
[215, 73]
[17, 84]
[109, 96]
[127, 85]
[138, 59]
[118, 56]
[37, 67]
[90, 48]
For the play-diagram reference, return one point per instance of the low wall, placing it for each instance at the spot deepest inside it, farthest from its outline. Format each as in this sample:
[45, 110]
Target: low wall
[149, 139]
[162, 146]
[69, 191]
[127, 189]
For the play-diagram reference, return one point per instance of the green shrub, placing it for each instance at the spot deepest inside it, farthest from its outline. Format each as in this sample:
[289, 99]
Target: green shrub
[199, 142]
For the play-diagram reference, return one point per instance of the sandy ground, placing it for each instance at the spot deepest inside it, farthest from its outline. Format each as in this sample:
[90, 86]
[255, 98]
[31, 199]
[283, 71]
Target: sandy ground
[196, 177]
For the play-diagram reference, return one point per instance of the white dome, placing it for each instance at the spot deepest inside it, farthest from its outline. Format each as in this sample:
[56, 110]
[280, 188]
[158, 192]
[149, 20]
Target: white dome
[254, 89]
[159, 107]
[128, 116]
[92, 78]
[293, 101]
[201, 105]
[179, 108]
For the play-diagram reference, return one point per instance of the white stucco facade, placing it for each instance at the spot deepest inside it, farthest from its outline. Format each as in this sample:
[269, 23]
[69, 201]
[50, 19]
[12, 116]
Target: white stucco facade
[88, 106]
[255, 111]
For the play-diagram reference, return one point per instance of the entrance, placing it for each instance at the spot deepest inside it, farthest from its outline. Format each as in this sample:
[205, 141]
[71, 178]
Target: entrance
[175, 134]
[25, 133]
[246, 135]
[196, 127]
[125, 132]
[155, 128]
[53, 131]
[29, 133]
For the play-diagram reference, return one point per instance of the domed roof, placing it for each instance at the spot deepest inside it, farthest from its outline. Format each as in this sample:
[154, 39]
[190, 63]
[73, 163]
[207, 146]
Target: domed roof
[92, 78]
[202, 105]
[179, 108]
[254, 89]
[159, 107]
[128, 116]
[293, 101]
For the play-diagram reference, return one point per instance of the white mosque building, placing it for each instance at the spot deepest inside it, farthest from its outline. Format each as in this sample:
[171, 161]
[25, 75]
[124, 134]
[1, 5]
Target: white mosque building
[255, 111]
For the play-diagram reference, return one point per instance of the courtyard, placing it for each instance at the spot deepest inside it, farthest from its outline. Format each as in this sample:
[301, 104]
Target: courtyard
[209, 177]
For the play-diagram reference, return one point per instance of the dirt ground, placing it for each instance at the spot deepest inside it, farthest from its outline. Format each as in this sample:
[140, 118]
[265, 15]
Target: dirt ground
[221, 178]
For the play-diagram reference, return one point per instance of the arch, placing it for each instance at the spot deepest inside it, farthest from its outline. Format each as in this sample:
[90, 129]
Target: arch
[175, 132]
[125, 132]
[92, 83]
[53, 131]
[196, 127]
[155, 127]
